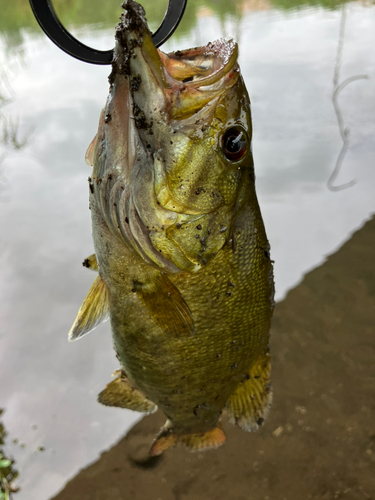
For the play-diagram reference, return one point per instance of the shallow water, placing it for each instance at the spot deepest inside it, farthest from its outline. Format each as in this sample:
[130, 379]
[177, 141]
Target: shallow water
[291, 60]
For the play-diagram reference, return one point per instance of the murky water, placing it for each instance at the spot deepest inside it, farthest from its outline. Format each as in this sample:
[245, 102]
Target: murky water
[292, 60]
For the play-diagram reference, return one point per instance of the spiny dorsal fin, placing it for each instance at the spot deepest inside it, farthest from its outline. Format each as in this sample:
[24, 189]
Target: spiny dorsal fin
[166, 306]
[194, 442]
[249, 405]
[91, 263]
[93, 310]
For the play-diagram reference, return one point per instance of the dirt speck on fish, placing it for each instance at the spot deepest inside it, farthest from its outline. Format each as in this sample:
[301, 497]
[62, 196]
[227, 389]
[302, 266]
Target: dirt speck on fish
[183, 261]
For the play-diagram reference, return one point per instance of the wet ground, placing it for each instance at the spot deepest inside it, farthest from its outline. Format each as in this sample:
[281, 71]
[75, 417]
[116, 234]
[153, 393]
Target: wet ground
[319, 440]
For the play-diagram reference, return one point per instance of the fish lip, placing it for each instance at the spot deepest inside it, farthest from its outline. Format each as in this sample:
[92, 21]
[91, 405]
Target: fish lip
[130, 35]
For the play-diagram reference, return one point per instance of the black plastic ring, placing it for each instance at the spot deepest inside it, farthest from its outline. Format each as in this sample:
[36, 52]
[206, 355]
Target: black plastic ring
[52, 27]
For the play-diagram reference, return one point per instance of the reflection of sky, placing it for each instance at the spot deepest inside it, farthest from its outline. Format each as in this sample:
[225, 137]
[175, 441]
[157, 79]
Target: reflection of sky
[288, 61]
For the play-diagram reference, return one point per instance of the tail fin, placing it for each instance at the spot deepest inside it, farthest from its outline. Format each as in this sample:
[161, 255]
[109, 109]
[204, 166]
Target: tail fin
[194, 442]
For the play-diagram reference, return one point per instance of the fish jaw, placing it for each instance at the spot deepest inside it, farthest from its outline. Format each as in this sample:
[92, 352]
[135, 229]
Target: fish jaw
[136, 59]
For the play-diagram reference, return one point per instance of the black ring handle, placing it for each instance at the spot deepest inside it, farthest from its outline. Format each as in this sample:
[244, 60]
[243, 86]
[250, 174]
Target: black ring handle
[52, 27]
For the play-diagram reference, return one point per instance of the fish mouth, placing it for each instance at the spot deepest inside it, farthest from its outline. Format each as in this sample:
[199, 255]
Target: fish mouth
[197, 76]
[201, 66]
[182, 82]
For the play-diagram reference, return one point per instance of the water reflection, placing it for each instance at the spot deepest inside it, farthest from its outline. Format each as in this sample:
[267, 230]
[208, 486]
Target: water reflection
[9, 132]
[337, 88]
[286, 57]
[17, 15]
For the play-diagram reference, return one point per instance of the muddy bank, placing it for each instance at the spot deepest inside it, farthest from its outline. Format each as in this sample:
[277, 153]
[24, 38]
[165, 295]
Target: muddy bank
[319, 440]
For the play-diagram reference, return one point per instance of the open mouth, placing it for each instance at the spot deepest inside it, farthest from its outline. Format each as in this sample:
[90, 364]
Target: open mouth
[202, 66]
[196, 76]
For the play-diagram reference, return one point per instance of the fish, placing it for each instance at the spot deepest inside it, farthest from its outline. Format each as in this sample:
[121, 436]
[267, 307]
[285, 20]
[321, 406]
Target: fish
[183, 261]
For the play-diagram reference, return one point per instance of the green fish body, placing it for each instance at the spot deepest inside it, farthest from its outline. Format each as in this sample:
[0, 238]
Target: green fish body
[180, 247]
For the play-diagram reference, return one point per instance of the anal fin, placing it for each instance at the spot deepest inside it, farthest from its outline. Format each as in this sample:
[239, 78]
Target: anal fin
[166, 306]
[166, 438]
[122, 394]
[249, 405]
[93, 311]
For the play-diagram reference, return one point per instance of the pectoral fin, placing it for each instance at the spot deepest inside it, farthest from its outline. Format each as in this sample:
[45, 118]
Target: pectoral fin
[249, 405]
[166, 306]
[91, 150]
[91, 263]
[93, 310]
[122, 394]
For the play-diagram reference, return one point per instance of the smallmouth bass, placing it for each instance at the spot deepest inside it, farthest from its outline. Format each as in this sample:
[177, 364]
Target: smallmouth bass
[183, 261]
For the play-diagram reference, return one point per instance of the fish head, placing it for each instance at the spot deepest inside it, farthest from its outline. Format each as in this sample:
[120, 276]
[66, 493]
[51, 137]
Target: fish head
[177, 131]
[200, 165]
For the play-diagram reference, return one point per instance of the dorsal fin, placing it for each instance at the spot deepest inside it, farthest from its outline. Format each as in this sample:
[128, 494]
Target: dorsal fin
[94, 310]
[166, 305]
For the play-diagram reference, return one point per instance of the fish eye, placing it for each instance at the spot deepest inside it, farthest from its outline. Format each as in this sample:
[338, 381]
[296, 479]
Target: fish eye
[234, 143]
